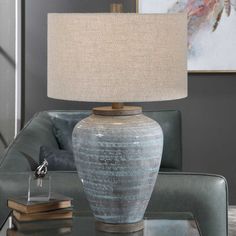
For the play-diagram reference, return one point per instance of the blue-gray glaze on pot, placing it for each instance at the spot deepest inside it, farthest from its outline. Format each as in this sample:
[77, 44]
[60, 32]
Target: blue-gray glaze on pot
[118, 159]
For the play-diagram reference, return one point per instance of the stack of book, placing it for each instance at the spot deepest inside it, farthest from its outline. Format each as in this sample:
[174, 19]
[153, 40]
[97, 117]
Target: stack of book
[58, 207]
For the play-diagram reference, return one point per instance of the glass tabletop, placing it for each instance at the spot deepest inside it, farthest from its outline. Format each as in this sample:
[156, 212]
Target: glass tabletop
[155, 224]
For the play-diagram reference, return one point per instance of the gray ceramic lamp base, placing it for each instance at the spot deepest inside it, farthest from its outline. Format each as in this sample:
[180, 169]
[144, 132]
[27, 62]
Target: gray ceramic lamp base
[118, 159]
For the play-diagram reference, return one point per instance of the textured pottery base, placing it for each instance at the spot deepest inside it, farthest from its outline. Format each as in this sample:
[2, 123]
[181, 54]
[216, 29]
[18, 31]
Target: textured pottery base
[118, 159]
[119, 228]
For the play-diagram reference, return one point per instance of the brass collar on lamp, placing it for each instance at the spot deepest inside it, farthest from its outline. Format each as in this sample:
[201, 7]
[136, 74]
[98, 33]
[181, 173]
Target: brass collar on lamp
[117, 109]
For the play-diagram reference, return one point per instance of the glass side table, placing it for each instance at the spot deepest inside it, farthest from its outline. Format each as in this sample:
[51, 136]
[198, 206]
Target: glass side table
[155, 224]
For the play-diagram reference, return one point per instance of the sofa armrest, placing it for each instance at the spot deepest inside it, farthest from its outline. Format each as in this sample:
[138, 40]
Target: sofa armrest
[23, 153]
[203, 195]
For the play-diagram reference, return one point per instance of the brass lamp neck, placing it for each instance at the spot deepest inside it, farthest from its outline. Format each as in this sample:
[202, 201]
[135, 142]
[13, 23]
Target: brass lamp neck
[117, 105]
[117, 109]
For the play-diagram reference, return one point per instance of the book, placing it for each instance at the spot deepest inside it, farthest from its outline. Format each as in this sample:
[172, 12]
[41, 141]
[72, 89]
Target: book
[47, 215]
[43, 225]
[21, 204]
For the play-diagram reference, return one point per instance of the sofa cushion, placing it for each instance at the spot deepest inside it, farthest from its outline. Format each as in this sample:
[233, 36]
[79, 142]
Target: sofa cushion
[63, 127]
[57, 159]
[62, 130]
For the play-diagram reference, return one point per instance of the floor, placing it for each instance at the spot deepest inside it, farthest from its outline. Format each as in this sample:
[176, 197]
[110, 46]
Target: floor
[232, 221]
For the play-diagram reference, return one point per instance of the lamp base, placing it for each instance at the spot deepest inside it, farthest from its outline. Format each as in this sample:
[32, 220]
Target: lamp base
[119, 228]
[118, 159]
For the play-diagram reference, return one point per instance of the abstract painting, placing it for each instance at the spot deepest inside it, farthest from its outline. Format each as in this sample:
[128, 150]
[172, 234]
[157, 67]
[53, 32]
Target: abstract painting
[211, 31]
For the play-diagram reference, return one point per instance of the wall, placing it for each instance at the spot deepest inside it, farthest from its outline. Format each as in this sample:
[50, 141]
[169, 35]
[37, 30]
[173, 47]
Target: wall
[7, 72]
[209, 112]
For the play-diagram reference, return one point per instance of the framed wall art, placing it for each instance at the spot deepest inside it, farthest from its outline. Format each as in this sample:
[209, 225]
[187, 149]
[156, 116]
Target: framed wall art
[211, 31]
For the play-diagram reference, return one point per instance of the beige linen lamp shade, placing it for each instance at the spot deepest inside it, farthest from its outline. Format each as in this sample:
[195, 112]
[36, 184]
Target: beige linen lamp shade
[117, 57]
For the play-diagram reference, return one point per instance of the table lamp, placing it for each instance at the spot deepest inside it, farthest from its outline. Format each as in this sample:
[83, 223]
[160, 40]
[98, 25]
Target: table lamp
[117, 58]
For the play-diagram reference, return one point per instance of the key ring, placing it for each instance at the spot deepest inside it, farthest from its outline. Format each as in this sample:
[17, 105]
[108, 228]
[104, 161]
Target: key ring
[41, 170]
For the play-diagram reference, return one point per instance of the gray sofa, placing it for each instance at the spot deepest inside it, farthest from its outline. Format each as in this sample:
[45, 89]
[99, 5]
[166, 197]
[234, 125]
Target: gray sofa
[204, 195]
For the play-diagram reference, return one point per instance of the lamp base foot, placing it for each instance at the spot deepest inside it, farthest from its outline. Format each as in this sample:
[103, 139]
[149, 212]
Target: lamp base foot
[119, 228]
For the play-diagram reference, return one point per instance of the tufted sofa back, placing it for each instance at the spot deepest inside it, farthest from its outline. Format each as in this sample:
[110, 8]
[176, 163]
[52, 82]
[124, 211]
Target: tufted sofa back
[39, 131]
